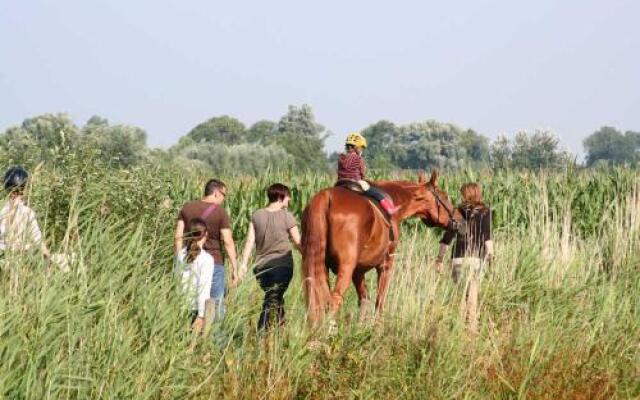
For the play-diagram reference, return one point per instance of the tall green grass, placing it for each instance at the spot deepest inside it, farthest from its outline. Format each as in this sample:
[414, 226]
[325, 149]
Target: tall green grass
[560, 309]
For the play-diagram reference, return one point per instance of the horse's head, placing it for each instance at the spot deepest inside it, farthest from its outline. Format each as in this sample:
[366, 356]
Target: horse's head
[436, 208]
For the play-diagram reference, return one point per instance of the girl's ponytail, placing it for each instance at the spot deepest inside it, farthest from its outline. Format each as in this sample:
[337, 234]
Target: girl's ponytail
[195, 232]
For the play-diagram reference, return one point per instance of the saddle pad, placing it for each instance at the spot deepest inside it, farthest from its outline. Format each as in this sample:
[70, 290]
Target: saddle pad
[386, 218]
[351, 185]
[355, 187]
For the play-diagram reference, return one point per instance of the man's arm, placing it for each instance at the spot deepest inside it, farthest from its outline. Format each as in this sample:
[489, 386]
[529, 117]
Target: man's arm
[177, 237]
[230, 248]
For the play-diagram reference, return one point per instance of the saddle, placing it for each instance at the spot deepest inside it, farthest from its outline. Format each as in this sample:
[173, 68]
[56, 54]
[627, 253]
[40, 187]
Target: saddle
[355, 187]
[351, 185]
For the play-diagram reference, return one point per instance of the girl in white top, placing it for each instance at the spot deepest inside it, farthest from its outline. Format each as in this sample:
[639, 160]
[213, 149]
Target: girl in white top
[197, 270]
[19, 230]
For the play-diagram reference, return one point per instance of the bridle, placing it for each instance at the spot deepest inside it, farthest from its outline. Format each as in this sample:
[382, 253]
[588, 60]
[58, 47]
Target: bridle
[452, 224]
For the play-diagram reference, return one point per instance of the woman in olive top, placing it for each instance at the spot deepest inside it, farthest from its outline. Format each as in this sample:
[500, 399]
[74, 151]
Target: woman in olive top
[472, 249]
[272, 230]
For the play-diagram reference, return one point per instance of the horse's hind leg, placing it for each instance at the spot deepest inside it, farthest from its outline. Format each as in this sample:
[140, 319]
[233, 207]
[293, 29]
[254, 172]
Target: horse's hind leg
[363, 295]
[345, 272]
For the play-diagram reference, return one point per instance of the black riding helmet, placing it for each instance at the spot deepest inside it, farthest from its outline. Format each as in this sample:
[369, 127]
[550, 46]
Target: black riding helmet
[15, 179]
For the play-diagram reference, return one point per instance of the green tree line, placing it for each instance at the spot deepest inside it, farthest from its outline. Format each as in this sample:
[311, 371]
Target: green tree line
[297, 142]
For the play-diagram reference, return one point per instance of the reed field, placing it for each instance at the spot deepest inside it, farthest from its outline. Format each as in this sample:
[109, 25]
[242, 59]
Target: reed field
[560, 305]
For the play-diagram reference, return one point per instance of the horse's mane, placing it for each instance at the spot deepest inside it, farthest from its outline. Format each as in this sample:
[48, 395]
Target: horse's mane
[400, 191]
[396, 183]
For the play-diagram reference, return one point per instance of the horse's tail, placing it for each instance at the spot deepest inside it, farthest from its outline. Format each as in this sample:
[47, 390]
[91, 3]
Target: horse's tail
[315, 229]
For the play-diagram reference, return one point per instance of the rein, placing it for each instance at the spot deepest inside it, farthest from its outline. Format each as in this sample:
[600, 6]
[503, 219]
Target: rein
[439, 200]
[453, 225]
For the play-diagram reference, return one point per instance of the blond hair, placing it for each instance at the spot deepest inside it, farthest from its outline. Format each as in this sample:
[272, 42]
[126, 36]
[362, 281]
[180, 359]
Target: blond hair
[472, 194]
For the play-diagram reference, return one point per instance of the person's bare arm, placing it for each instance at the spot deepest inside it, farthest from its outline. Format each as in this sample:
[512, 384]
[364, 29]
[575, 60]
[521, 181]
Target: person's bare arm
[294, 234]
[230, 248]
[248, 248]
[177, 237]
[488, 244]
[442, 251]
[488, 258]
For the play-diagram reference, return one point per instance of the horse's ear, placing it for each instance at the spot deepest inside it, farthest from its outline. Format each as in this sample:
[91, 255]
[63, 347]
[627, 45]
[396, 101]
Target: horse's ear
[422, 178]
[434, 178]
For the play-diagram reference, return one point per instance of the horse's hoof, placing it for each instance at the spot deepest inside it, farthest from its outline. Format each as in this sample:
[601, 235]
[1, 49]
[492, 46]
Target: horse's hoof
[365, 312]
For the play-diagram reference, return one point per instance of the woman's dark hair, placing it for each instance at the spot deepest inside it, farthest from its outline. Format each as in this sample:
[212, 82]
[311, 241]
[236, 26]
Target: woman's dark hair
[349, 147]
[277, 192]
[196, 230]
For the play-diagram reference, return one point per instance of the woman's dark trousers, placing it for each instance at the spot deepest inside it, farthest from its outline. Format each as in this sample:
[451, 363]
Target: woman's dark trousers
[274, 281]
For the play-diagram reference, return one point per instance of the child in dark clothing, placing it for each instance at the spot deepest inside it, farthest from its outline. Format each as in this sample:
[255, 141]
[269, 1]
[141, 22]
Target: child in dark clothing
[351, 167]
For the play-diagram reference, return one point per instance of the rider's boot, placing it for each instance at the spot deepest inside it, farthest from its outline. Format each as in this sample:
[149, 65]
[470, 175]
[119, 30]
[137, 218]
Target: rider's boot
[388, 206]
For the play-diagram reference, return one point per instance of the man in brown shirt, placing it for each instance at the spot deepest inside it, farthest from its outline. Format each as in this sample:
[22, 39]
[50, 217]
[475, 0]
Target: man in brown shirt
[209, 209]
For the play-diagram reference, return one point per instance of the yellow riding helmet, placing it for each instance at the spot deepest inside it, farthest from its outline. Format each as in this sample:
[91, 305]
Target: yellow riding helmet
[356, 139]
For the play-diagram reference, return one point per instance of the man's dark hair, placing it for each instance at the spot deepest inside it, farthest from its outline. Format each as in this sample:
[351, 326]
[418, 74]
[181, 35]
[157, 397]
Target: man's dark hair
[277, 192]
[212, 186]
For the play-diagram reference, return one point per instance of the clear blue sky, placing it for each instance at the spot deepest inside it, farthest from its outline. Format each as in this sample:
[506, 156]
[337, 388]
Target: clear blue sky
[494, 66]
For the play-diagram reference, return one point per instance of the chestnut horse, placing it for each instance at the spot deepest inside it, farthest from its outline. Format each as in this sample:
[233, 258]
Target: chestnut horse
[343, 231]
